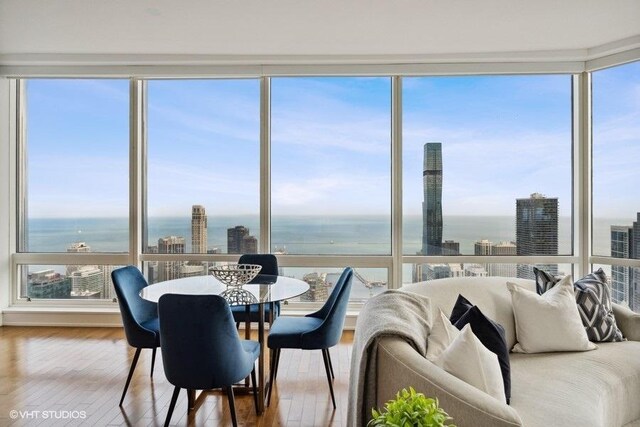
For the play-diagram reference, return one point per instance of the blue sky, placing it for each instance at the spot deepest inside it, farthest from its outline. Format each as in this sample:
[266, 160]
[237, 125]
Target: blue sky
[503, 137]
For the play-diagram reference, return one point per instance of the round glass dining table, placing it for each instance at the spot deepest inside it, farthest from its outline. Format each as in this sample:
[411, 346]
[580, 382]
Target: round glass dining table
[266, 289]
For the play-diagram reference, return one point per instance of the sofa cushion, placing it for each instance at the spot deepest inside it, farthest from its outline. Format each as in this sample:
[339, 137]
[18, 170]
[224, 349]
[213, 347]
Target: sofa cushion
[461, 306]
[491, 335]
[548, 322]
[441, 336]
[468, 359]
[593, 297]
[544, 280]
[598, 388]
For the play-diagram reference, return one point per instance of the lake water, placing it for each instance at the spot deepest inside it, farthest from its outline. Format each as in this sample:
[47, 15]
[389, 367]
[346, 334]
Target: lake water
[308, 235]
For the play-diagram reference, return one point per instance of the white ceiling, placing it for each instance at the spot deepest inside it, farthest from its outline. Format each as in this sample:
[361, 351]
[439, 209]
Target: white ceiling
[313, 27]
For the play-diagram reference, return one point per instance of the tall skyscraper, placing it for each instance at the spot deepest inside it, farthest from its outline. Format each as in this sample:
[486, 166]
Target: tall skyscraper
[169, 270]
[239, 241]
[536, 231]
[432, 202]
[621, 276]
[198, 230]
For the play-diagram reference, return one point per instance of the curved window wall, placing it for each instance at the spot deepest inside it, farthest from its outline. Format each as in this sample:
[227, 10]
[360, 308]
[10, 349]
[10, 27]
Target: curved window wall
[399, 177]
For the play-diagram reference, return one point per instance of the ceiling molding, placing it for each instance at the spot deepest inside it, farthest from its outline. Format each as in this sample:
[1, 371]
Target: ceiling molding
[250, 65]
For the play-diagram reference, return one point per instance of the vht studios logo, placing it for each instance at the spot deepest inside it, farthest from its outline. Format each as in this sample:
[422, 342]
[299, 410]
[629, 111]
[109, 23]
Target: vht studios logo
[47, 415]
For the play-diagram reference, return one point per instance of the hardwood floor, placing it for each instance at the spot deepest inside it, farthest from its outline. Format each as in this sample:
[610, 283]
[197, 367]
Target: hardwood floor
[84, 369]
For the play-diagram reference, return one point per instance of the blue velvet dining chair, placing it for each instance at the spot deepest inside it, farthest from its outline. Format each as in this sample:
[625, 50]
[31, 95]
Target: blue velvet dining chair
[139, 316]
[201, 349]
[316, 331]
[242, 314]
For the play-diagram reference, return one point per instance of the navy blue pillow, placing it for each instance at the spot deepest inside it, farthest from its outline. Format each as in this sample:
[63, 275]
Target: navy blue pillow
[461, 306]
[490, 334]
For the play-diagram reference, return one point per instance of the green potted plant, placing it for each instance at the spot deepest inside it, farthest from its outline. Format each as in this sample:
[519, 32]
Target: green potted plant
[410, 409]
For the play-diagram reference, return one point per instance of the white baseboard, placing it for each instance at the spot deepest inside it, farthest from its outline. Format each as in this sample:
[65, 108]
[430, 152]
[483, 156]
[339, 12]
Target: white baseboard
[97, 318]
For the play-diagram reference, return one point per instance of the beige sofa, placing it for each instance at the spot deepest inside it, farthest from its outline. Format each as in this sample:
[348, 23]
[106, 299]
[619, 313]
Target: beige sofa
[595, 388]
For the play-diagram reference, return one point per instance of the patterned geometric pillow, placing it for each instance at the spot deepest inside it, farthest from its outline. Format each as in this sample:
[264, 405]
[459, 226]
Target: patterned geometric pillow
[544, 280]
[593, 297]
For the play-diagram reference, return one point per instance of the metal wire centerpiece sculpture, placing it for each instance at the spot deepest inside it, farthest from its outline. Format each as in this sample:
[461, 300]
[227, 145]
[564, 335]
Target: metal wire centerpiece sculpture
[235, 274]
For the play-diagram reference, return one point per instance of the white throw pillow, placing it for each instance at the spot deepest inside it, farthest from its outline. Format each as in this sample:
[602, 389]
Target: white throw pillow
[441, 336]
[469, 360]
[548, 322]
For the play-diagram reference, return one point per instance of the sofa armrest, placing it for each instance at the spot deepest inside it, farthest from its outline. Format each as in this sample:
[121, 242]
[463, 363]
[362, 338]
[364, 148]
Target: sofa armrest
[400, 366]
[628, 322]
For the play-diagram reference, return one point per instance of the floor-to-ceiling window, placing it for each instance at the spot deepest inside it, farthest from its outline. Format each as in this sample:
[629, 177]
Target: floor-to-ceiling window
[331, 177]
[202, 182]
[487, 171]
[74, 180]
[616, 194]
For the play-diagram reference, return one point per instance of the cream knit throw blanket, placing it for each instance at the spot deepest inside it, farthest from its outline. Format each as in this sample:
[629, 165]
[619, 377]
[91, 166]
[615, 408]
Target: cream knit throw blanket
[393, 312]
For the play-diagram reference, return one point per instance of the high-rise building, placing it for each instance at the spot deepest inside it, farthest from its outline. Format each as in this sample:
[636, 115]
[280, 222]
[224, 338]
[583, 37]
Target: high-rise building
[318, 289]
[198, 230]
[432, 202]
[239, 241]
[536, 231]
[449, 247]
[48, 284]
[634, 298]
[87, 281]
[475, 270]
[503, 269]
[169, 270]
[482, 248]
[442, 271]
[107, 285]
[76, 248]
[171, 245]
[621, 280]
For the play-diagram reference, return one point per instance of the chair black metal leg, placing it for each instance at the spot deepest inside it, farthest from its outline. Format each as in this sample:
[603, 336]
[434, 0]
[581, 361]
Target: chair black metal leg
[272, 371]
[326, 367]
[191, 399]
[153, 361]
[172, 405]
[275, 375]
[133, 368]
[255, 389]
[232, 406]
[326, 350]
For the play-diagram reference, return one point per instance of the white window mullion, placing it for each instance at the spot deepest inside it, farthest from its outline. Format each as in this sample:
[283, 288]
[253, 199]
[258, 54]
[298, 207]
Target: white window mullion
[582, 172]
[396, 182]
[136, 161]
[265, 166]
